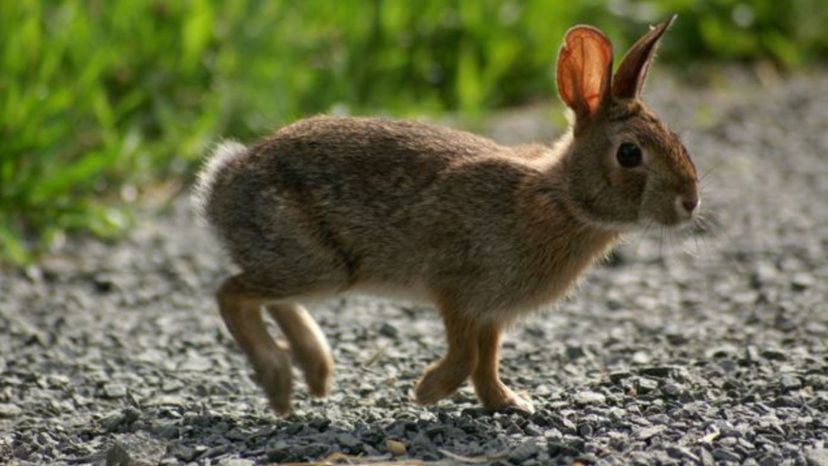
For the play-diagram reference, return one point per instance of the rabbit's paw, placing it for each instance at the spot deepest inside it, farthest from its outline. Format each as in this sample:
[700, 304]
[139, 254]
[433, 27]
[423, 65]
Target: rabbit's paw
[318, 371]
[499, 397]
[439, 382]
[276, 380]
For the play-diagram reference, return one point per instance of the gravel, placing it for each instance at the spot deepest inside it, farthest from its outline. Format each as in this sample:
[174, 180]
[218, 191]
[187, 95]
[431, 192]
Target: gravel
[702, 346]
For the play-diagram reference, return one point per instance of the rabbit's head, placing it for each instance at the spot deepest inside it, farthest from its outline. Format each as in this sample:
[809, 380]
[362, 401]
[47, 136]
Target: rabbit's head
[624, 166]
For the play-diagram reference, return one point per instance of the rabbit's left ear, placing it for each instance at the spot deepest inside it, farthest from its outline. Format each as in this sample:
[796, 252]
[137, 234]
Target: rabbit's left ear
[631, 73]
[584, 70]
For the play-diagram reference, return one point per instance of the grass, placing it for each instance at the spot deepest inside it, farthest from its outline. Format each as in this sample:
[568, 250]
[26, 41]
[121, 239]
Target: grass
[99, 100]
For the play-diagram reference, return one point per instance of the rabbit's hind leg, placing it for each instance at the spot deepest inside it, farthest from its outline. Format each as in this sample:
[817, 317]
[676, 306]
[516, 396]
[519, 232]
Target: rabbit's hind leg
[310, 348]
[240, 305]
[445, 377]
[490, 390]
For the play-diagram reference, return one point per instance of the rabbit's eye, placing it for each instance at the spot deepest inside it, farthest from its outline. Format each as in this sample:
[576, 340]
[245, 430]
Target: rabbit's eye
[629, 155]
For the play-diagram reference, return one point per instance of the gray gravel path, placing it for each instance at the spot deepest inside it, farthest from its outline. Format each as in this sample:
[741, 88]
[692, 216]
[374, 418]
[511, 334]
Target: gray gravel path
[706, 346]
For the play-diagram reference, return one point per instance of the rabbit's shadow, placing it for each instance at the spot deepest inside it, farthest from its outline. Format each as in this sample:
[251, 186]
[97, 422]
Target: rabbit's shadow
[430, 435]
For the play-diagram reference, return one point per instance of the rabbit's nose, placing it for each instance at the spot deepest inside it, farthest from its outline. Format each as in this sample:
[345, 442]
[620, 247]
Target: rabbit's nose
[686, 204]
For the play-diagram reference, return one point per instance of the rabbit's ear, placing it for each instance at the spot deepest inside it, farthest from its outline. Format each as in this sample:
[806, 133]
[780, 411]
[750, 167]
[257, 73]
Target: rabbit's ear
[632, 71]
[584, 70]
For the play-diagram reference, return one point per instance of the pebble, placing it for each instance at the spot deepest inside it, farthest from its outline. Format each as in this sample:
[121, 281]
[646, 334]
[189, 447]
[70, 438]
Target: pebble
[789, 382]
[589, 397]
[523, 452]
[817, 456]
[671, 390]
[395, 447]
[389, 330]
[648, 432]
[656, 371]
[235, 462]
[774, 355]
[116, 455]
[722, 454]
[114, 390]
[646, 385]
[196, 363]
[348, 441]
[8, 410]
[802, 281]
[575, 352]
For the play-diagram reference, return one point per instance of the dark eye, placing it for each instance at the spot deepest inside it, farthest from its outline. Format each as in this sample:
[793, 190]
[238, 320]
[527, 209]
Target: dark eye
[629, 155]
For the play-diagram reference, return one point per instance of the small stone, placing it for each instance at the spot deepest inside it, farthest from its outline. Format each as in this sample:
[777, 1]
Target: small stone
[184, 452]
[671, 390]
[57, 380]
[348, 441]
[196, 363]
[646, 385]
[114, 390]
[678, 452]
[395, 447]
[588, 397]
[388, 330]
[235, 462]
[764, 275]
[313, 450]
[9, 410]
[279, 451]
[817, 457]
[120, 419]
[706, 457]
[166, 400]
[770, 460]
[789, 382]
[641, 357]
[722, 351]
[676, 339]
[751, 354]
[656, 371]
[575, 352]
[116, 455]
[616, 377]
[726, 455]
[523, 452]
[786, 402]
[649, 432]
[171, 385]
[774, 355]
[802, 281]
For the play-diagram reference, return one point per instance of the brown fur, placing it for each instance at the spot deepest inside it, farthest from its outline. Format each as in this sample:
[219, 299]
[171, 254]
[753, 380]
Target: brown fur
[483, 231]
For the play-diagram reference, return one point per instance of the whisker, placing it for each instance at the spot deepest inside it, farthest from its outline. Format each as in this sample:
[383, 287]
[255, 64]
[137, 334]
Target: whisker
[642, 235]
[661, 244]
[696, 241]
[710, 170]
[708, 226]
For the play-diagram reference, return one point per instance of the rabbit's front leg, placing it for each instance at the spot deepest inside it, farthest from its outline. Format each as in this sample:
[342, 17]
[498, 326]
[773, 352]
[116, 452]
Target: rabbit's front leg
[309, 345]
[443, 378]
[240, 307]
[485, 377]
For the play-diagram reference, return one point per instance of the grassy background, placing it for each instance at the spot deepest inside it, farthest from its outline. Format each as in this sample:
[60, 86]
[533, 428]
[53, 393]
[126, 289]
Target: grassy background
[100, 100]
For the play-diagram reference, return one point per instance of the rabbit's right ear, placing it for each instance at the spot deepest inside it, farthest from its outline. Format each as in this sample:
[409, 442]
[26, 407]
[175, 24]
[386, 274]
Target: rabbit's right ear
[584, 72]
[629, 78]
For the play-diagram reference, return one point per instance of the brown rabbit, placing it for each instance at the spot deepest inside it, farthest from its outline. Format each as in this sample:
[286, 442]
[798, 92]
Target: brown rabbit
[485, 232]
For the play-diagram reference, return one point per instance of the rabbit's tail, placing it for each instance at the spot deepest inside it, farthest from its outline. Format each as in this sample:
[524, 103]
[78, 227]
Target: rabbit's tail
[212, 175]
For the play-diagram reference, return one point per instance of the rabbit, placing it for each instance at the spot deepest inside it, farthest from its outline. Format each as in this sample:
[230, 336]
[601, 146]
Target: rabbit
[486, 233]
